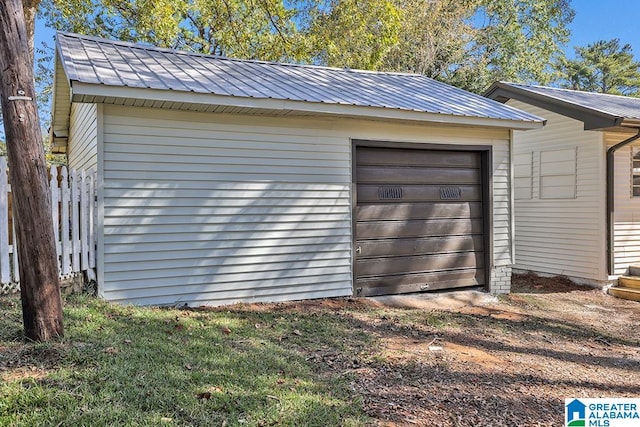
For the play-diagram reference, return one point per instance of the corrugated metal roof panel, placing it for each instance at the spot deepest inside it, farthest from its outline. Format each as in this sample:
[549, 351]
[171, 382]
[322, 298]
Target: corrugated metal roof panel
[112, 63]
[614, 105]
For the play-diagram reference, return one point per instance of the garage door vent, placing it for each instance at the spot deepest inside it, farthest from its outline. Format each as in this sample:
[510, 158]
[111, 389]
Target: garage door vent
[386, 193]
[450, 193]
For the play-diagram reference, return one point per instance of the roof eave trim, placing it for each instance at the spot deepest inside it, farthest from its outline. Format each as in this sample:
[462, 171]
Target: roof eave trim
[592, 119]
[56, 128]
[82, 92]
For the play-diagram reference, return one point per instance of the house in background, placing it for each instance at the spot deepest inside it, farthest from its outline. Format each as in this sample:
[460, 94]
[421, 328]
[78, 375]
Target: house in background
[576, 182]
[224, 180]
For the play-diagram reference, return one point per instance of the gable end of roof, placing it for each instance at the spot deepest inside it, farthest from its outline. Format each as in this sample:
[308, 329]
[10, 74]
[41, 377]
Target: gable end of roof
[596, 111]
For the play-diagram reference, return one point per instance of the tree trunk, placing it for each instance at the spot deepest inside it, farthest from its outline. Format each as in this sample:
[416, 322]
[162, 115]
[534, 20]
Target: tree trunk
[39, 283]
[30, 8]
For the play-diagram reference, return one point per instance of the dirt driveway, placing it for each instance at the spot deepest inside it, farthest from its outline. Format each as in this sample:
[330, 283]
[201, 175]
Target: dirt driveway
[498, 362]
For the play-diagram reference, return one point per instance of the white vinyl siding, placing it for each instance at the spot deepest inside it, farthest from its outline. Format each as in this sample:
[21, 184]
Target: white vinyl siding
[627, 208]
[564, 234]
[204, 211]
[558, 174]
[502, 229]
[523, 175]
[82, 149]
[213, 209]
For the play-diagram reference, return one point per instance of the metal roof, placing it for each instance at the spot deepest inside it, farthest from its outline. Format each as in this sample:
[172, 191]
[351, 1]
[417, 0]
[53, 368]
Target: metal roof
[596, 110]
[114, 64]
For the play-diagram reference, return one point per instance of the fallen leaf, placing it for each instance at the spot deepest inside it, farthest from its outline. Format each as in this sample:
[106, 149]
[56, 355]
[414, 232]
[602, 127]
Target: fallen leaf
[297, 332]
[226, 330]
[188, 367]
[204, 396]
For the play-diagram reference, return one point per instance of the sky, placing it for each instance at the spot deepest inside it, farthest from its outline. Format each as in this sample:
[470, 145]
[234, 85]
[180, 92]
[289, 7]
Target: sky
[604, 20]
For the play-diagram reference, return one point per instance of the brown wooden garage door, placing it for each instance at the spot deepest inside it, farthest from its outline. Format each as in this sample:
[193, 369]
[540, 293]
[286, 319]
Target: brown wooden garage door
[419, 220]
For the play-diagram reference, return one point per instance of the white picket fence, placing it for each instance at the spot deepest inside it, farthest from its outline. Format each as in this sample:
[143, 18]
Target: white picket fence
[74, 217]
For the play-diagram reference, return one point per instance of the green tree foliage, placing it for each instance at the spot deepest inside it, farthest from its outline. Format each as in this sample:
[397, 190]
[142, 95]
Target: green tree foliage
[469, 43]
[353, 33]
[605, 66]
[434, 37]
[252, 29]
[513, 40]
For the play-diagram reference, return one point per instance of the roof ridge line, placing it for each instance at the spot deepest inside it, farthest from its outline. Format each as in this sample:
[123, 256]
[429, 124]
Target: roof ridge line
[150, 47]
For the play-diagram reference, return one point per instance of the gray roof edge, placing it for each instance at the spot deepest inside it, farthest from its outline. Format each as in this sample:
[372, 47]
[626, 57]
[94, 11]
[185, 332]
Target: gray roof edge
[497, 90]
[592, 118]
[81, 89]
[58, 54]
[532, 117]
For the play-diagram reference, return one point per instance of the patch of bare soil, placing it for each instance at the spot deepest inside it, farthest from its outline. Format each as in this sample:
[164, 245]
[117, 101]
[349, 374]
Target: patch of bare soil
[23, 373]
[510, 361]
[318, 306]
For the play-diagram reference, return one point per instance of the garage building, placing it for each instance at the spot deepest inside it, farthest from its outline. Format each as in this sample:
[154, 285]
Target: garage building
[222, 180]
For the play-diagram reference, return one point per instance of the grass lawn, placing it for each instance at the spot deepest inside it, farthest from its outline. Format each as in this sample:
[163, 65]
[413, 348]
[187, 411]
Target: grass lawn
[123, 365]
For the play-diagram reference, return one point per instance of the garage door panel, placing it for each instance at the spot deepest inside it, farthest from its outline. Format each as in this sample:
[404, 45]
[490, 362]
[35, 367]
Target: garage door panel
[419, 282]
[400, 211]
[423, 246]
[418, 264]
[418, 220]
[417, 228]
[417, 175]
[368, 193]
[372, 156]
